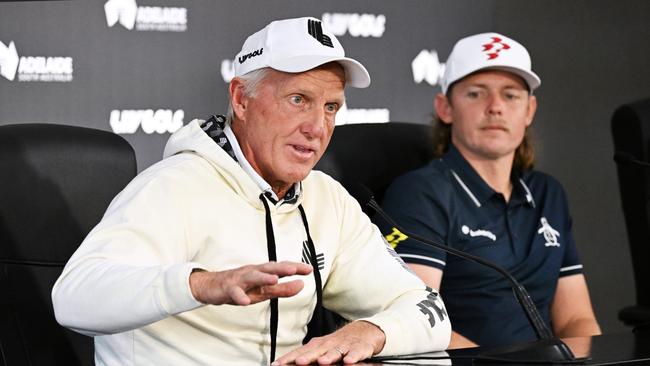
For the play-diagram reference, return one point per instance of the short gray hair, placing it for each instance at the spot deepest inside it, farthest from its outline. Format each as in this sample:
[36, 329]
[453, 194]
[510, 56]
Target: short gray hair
[251, 82]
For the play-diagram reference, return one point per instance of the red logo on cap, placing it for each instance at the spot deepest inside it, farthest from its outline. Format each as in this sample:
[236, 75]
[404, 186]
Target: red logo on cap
[493, 48]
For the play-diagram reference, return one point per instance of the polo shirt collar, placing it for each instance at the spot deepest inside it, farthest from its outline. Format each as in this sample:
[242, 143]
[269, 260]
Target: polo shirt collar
[520, 191]
[476, 188]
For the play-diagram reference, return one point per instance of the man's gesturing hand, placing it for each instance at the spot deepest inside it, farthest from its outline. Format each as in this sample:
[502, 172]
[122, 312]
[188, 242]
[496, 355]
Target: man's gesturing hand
[248, 284]
[353, 343]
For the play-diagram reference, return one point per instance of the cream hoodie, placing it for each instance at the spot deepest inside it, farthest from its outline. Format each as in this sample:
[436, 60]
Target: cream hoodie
[128, 283]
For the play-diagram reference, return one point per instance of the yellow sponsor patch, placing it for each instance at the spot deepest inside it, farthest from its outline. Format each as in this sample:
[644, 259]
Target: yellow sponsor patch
[395, 237]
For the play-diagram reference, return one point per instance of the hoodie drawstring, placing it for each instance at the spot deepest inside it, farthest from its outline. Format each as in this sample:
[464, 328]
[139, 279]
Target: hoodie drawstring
[317, 317]
[270, 244]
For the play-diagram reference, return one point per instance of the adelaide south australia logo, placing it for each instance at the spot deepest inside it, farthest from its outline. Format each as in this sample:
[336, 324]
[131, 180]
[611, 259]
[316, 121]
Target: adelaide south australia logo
[145, 18]
[33, 68]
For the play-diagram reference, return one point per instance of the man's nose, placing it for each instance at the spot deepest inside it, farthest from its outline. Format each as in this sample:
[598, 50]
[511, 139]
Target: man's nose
[495, 104]
[314, 125]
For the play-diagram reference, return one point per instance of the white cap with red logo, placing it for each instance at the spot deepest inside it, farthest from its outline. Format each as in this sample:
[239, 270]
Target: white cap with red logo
[297, 45]
[488, 51]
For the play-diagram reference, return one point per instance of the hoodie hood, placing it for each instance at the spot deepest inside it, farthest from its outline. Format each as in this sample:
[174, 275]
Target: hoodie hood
[192, 139]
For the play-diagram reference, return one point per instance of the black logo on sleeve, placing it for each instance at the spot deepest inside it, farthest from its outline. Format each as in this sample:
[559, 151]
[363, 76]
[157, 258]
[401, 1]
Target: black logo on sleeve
[432, 304]
[315, 29]
[249, 55]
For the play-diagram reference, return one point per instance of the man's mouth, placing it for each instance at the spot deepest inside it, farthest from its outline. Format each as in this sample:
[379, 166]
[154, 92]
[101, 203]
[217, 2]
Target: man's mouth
[494, 128]
[303, 151]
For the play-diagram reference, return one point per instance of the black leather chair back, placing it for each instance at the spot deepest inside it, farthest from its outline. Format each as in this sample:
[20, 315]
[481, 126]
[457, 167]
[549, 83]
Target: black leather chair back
[374, 154]
[55, 184]
[631, 132]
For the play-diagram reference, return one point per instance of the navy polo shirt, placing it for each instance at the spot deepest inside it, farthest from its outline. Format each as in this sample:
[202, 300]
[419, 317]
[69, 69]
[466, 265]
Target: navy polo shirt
[530, 236]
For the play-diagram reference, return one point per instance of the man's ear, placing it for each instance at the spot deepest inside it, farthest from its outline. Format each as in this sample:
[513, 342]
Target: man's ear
[238, 99]
[532, 108]
[443, 108]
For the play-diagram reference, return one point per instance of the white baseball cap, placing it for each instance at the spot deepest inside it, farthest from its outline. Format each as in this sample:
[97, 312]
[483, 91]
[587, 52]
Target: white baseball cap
[297, 45]
[488, 51]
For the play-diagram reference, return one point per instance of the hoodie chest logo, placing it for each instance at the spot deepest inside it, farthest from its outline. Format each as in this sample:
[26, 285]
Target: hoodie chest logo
[474, 233]
[306, 257]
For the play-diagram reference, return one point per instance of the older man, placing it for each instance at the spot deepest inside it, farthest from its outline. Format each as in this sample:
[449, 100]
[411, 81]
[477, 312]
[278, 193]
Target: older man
[483, 197]
[221, 252]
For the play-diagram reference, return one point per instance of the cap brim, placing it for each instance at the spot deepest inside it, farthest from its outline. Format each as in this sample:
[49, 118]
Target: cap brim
[529, 77]
[356, 74]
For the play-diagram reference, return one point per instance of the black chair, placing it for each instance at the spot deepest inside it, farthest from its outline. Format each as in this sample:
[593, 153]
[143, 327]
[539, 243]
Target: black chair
[56, 184]
[374, 154]
[631, 132]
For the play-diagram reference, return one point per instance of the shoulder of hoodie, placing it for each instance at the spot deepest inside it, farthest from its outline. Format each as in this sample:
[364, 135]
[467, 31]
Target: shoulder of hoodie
[323, 184]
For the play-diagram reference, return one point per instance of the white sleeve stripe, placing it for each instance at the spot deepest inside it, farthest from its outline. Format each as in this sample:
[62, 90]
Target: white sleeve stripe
[571, 268]
[423, 258]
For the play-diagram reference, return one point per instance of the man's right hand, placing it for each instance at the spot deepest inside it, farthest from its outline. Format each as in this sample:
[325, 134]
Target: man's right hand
[248, 284]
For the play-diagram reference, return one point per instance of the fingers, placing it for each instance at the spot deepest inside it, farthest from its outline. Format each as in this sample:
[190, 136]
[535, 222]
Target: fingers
[333, 355]
[352, 353]
[248, 284]
[253, 278]
[358, 354]
[354, 342]
[263, 293]
[326, 354]
[326, 351]
[285, 268]
[286, 289]
[238, 296]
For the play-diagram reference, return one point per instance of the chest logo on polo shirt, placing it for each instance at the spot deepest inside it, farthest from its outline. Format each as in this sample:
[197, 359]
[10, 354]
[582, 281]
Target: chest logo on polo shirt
[550, 234]
[474, 233]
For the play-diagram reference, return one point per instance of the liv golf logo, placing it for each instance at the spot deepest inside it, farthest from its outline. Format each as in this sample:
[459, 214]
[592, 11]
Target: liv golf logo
[427, 67]
[145, 18]
[33, 68]
[357, 25]
[159, 121]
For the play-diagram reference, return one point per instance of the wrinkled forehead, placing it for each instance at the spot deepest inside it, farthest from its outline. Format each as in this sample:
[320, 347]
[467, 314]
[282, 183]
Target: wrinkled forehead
[329, 77]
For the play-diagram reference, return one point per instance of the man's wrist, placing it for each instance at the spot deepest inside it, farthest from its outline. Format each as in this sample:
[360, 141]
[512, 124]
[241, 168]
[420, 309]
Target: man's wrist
[197, 280]
[377, 336]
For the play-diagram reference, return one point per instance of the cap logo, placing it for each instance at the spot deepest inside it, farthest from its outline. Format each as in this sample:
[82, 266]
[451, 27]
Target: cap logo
[249, 55]
[315, 29]
[493, 48]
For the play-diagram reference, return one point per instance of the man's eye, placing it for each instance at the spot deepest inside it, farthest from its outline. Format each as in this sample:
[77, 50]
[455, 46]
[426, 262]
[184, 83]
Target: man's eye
[332, 107]
[296, 99]
[472, 94]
